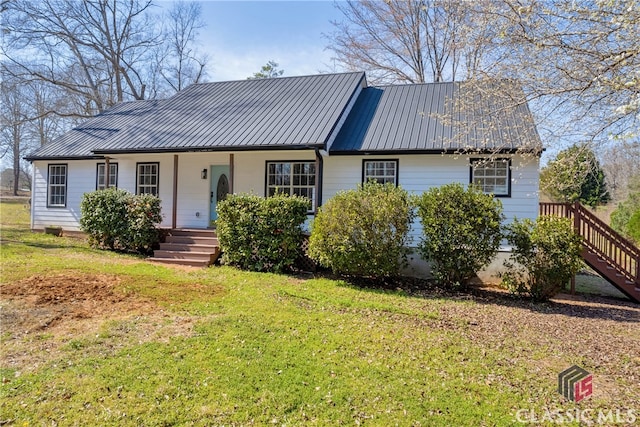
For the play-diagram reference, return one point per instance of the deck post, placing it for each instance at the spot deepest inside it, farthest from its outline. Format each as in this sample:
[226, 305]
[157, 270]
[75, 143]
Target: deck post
[573, 284]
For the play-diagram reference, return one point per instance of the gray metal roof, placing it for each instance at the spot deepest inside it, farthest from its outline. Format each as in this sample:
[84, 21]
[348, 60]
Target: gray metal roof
[298, 112]
[285, 112]
[439, 117]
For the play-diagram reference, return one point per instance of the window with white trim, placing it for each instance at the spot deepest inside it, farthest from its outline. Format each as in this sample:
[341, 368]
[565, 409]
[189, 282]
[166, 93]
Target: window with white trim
[147, 178]
[297, 178]
[381, 171]
[492, 176]
[57, 186]
[101, 176]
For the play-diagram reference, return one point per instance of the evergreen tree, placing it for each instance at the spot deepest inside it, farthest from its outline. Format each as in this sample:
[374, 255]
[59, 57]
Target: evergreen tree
[575, 175]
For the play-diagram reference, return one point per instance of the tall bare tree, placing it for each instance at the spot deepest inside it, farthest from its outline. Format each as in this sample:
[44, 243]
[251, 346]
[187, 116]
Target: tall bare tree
[180, 63]
[13, 121]
[621, 163]
[97, 50]
[413, 41]
[100, 52]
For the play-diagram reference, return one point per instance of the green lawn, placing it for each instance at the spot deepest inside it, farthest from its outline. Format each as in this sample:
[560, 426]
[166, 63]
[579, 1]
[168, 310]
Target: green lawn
[220, 346]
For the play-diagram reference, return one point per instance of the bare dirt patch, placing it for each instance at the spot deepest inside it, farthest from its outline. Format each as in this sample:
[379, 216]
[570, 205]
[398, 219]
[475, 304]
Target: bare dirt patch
[41, 314]
[51, 300]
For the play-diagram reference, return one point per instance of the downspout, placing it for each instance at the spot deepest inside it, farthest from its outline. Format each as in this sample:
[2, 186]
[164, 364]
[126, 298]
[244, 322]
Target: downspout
[319, 168]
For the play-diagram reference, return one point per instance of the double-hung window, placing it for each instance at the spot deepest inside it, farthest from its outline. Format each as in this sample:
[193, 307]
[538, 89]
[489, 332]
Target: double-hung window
[492, 176]
[101, 175]
[381, 171]
[147, 178]
[57, 186]
[297, 178]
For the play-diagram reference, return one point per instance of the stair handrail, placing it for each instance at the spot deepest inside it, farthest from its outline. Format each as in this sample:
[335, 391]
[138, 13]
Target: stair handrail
[580, 216]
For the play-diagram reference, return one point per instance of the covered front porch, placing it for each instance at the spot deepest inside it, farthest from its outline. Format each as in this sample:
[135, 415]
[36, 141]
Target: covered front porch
[190, 184]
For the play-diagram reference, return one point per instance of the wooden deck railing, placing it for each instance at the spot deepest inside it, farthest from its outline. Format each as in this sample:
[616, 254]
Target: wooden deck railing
[599, 238]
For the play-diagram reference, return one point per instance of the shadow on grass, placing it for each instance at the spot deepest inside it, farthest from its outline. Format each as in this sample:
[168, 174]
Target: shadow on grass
[580, 306]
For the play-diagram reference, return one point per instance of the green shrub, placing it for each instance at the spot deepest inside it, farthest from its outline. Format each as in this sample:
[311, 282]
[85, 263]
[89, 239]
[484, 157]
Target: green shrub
[261, 234]
[363, 232]
[103, 217]
[461, 231]
[546, 254]
[626, 218]
[116, 219]
[143, 213]
[633, 227]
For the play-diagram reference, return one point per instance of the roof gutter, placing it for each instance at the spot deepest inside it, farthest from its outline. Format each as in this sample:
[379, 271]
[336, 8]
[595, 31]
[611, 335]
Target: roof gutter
[436, 151]
[211, 149]
[31, 159]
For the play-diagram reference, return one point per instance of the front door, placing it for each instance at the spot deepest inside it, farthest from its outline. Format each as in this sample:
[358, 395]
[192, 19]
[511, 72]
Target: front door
[219, 187]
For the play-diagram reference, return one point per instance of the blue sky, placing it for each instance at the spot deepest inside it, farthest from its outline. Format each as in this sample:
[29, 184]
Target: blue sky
[241, 36]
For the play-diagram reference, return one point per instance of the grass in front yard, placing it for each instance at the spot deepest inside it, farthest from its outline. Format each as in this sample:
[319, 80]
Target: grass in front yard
[220, 346]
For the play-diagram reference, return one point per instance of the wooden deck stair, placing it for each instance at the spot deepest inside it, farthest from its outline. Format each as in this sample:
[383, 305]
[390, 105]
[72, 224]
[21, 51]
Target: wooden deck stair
[193, 247]
[615, 258]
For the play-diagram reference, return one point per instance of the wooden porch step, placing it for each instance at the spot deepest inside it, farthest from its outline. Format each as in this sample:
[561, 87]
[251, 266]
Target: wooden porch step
[196, 240]
[187, 247]
[205, 256]
[178, 261]
[194, 247]
[192, 232]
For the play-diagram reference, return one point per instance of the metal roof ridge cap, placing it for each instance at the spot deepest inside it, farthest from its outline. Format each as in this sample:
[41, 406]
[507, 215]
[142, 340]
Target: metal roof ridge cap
[275, 78]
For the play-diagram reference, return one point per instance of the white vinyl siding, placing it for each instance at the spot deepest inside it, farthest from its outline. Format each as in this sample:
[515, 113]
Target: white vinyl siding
[57, 186]
[113, 175]
[297, 178]
[147, 178]
[421, 172]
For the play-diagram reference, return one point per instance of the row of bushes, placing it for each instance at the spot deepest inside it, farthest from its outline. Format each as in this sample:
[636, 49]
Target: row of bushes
[362, 232]
[365, 233]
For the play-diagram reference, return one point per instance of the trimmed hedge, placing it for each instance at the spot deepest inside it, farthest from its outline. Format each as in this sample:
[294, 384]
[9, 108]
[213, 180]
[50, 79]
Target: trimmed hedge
[363, 232]
[261, 234]
[116, 219]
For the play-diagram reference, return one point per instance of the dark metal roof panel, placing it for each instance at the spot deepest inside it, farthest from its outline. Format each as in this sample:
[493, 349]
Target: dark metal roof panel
[277, 112]
[478, 116]
[97, 131]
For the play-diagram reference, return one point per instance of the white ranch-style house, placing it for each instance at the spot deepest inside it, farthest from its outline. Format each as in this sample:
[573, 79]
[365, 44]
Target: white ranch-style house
[309, 135]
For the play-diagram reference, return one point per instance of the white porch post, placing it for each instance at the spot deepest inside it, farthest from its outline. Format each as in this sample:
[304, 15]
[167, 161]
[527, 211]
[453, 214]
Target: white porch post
[174, 207]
